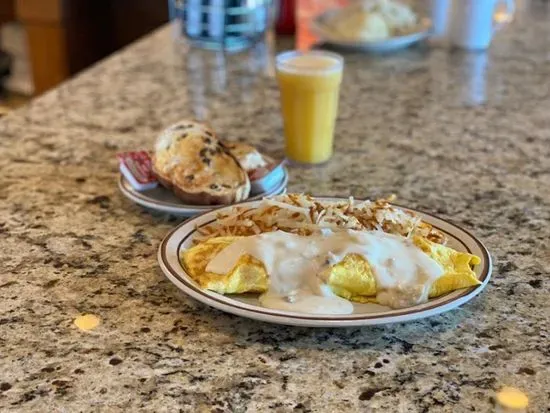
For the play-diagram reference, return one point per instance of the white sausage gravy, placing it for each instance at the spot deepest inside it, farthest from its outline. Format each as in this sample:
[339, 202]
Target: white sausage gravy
[297, 268]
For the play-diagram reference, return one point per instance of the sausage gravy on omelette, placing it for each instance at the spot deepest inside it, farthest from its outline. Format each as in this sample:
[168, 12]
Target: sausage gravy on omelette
[298, 268]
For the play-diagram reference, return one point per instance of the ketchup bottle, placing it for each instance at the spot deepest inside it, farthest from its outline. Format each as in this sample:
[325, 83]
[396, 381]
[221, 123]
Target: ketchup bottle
[286, 23]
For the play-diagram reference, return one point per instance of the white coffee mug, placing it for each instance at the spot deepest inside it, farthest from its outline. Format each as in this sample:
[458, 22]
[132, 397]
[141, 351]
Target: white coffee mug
[473, 22]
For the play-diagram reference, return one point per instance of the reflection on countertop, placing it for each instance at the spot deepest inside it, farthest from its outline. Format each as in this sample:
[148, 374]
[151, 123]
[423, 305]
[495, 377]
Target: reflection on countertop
[464, 136]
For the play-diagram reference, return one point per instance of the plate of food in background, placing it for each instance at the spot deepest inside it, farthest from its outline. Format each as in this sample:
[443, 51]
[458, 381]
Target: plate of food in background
[372, 25]
[325, 262]
[192, 171]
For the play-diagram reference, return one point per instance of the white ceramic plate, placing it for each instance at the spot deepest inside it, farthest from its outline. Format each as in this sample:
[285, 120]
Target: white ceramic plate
[320, 27]
[364, 314]
[162, 200]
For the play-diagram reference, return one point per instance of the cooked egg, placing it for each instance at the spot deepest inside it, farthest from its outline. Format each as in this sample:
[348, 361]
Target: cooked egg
[351, 277]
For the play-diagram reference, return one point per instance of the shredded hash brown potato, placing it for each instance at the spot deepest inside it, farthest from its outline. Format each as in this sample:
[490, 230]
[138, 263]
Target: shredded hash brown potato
[304, 215]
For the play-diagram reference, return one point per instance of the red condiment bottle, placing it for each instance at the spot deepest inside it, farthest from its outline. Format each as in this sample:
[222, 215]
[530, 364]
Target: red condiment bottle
[286, 23]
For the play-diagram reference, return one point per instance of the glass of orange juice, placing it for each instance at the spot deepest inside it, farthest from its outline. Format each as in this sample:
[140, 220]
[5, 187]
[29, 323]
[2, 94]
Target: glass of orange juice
[309, 83]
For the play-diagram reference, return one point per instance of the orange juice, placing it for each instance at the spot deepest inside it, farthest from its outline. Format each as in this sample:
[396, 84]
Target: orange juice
[310, 84]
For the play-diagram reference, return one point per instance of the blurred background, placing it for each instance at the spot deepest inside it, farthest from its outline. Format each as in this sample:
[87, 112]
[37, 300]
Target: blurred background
[43, 42]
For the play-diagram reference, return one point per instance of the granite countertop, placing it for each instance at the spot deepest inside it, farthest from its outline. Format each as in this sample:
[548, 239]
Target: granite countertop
[466, 136]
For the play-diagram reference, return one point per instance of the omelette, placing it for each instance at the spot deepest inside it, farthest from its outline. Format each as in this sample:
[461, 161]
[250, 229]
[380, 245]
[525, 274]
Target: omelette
[352, 278]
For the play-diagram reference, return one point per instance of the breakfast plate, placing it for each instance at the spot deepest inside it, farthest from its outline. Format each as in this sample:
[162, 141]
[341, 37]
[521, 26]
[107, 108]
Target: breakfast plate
[181, 240]
[162, 200]
[321, 28]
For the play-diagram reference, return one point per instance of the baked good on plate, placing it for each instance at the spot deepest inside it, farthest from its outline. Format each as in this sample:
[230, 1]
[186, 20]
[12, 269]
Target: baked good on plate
[251, 160]
[372, 20]
[190, 160]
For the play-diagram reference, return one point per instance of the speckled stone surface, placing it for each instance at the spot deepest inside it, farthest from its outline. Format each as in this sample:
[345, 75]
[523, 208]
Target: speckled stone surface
[466, 136]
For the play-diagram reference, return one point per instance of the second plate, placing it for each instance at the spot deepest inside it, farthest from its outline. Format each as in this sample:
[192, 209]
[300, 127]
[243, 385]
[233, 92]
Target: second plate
[162, 200]
[320, 27]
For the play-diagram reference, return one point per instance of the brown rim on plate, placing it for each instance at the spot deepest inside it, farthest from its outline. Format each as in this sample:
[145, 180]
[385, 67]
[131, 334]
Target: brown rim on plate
[391, 313]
